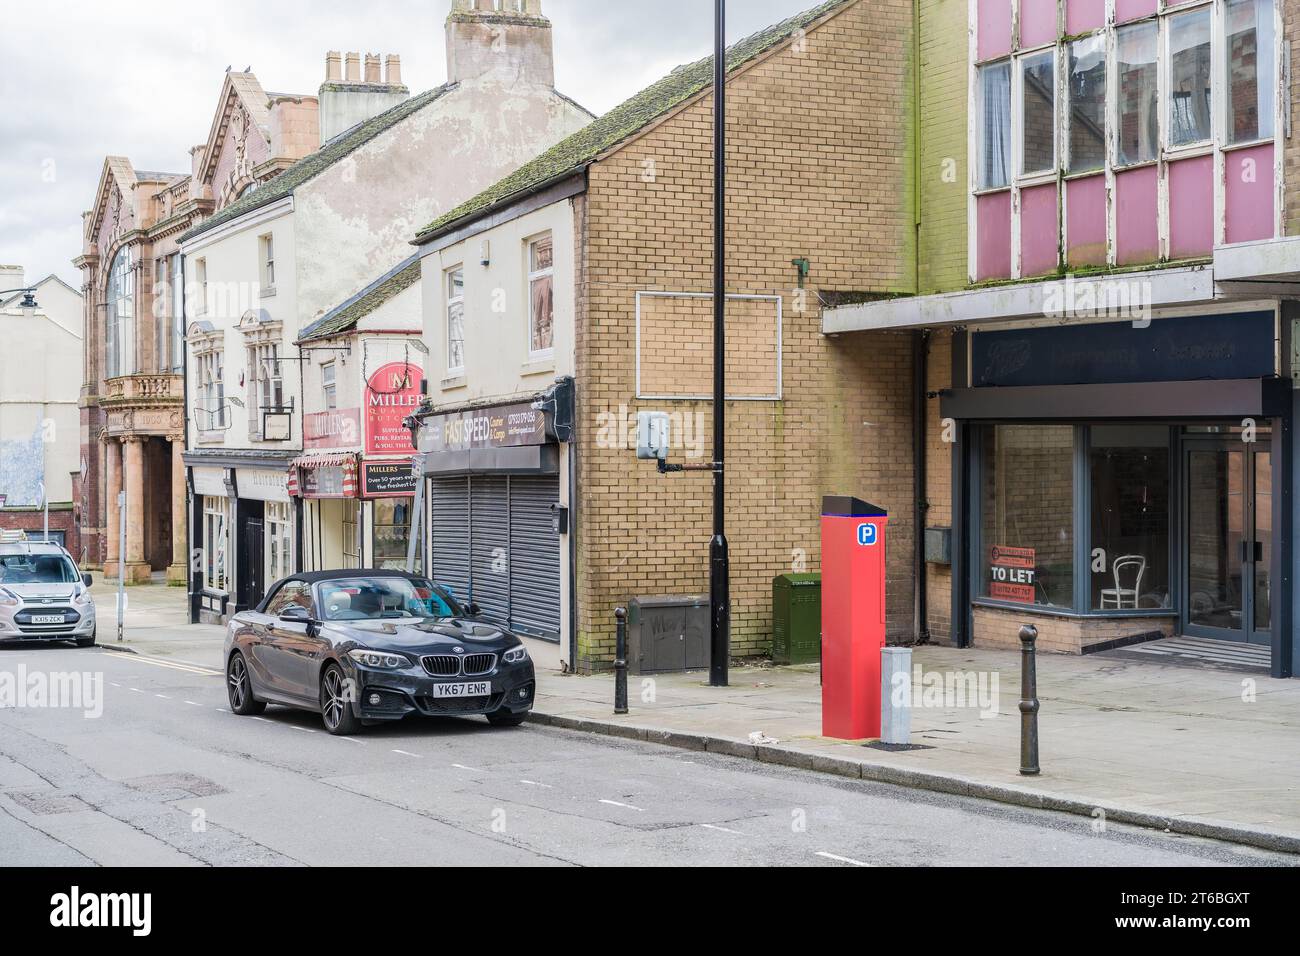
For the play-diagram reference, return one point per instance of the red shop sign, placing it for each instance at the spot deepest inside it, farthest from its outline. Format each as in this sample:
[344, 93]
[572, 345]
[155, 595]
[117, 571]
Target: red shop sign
[392, 394]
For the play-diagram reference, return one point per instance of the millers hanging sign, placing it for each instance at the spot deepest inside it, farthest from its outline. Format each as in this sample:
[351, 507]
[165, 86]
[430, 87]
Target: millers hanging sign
[392, 393]
[1012, 572]
[506, 426]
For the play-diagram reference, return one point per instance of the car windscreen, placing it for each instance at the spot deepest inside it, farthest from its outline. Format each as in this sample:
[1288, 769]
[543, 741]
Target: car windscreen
[382, 598]
[37, 569]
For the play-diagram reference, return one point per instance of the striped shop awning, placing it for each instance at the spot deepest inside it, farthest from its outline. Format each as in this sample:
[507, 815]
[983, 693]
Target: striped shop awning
[304, 476]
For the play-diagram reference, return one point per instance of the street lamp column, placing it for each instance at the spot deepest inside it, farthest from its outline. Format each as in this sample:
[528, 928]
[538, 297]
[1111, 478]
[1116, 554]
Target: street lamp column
[719, 560]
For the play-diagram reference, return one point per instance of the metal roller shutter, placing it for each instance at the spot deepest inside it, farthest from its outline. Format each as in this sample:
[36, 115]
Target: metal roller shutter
[490, 547]
[449, 506]
[534, 556]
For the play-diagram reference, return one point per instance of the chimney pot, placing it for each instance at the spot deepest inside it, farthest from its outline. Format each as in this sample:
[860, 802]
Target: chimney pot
[393, 70]
[372, 68]
[333, 67]
[354, 68]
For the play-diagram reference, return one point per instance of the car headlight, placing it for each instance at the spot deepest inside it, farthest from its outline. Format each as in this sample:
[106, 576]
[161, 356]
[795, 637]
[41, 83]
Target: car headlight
[9, 599]
[380, 659]
[515, 655]
[83, 599]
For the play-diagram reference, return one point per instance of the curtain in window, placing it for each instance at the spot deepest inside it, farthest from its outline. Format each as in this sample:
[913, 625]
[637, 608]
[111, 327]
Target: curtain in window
[995, 145]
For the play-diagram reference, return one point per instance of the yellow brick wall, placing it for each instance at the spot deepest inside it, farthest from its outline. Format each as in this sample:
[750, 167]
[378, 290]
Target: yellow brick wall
[817, 156]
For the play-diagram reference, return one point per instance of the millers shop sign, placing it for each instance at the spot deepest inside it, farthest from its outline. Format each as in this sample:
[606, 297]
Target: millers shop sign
[505, 426]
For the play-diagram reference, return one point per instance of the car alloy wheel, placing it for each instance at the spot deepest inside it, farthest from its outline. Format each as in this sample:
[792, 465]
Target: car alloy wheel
[239, 688]
[335, 708]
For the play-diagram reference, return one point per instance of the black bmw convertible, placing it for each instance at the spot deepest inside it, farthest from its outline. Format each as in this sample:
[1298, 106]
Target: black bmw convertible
[364, 647]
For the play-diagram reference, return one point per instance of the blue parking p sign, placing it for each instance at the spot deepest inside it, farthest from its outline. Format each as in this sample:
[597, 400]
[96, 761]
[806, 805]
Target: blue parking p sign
[866, 535]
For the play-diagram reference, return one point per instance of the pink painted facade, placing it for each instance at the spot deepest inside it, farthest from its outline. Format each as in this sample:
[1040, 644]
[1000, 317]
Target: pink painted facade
[1039, 230]
[1085, 218]
[1127, 103]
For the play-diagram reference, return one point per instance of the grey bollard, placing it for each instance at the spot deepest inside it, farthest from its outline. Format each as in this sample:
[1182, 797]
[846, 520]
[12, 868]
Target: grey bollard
[895, 704]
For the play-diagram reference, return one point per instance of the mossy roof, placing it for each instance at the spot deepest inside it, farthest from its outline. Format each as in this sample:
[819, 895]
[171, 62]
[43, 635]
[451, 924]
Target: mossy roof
[344, 317]
[622, 122]
[309, 167]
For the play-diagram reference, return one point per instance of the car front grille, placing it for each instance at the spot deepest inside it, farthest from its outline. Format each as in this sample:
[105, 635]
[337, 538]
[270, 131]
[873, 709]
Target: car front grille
[23, 619]
[441, 665]
[447, 665]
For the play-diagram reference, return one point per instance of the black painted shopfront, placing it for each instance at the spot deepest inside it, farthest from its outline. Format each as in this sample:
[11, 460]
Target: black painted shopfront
[1133, 477]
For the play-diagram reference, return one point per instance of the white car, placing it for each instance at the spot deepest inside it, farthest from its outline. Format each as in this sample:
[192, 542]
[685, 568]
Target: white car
[43, 596]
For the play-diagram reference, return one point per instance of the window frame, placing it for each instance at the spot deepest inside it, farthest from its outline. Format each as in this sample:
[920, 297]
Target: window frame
[1081, 528]
[266, 252]
[1218, 145]
[533, 275]
[452, 301]
[329, 388]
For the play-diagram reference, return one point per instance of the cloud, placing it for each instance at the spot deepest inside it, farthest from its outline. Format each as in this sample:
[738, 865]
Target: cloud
[140, 78]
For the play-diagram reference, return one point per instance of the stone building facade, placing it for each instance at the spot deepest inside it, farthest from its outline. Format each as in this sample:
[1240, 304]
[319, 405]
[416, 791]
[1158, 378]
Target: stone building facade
[132, 395]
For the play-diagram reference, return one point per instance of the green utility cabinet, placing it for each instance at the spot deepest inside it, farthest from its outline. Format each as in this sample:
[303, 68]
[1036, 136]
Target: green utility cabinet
[797, 618]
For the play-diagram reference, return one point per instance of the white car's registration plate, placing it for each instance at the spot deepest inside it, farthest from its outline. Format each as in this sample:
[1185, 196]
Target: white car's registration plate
[477, 689]
[47, 618]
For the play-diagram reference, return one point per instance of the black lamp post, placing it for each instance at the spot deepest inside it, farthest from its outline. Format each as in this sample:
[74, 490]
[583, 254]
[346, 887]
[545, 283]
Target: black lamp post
[719, 560]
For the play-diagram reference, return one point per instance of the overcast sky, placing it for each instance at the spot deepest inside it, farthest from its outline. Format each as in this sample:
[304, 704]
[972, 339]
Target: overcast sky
[87, 78]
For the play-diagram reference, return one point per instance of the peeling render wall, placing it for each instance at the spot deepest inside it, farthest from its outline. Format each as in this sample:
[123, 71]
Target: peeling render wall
[355, 221]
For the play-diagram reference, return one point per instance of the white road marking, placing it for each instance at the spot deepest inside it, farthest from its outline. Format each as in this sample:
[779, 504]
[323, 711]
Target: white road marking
[222, 710]
[192, 704]
[461, 766]
[136, 690]
[534, 783]
[114, 685]
[262, 719]
[625, 806]
[305, 730]
[162, 696]
[710, 826]
[406, 753]
[351, 740]
[174, 665]
[841, 859]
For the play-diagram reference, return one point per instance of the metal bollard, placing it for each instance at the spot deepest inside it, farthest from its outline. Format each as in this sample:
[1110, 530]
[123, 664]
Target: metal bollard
[1028, 702]
[620, 662]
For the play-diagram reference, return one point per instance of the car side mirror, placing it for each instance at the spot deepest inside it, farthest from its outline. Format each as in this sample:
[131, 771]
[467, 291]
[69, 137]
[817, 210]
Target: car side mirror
[473, 610]
[87, 580]
[296, 614]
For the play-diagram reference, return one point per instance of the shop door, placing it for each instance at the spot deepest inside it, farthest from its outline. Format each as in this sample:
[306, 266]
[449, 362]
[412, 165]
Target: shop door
[1227, 540]
[252, 555]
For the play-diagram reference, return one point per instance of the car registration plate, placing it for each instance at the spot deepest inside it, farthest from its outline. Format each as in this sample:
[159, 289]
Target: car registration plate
[477, 689]
[47, 618]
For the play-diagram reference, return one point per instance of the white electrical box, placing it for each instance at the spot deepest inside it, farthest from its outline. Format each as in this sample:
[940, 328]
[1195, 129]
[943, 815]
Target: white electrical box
[652, 436]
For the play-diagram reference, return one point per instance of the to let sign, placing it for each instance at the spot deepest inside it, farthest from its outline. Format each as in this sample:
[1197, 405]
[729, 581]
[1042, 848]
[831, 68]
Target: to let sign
[1012, 574]
[392, 394]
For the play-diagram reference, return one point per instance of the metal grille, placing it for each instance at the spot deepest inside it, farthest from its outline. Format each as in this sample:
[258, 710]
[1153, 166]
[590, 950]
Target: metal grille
[441, 665]
[479, 664]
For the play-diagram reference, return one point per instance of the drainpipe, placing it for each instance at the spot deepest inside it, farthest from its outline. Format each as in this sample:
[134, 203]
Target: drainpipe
[920, 368]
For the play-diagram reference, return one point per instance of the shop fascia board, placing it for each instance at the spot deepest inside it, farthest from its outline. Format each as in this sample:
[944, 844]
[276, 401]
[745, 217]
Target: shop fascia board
[1166, 289]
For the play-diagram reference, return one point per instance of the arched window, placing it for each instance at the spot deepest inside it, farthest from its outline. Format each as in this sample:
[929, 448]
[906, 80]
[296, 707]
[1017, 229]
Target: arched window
[119, 337]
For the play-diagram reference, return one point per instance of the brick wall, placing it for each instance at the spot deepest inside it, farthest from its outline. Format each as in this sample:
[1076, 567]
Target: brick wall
[1291, 146]
[996, 627]
[817, 158]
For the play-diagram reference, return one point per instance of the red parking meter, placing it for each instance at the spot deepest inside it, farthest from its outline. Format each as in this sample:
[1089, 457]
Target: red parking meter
[853, 616]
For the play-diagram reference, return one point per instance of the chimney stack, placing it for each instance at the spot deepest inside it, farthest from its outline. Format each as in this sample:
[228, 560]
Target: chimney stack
[352, 99]
[12, 277]
[511, 44]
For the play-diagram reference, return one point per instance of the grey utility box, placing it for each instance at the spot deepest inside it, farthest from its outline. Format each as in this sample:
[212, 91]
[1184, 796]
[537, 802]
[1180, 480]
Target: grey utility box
[938, 545]
[667, 635]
